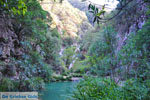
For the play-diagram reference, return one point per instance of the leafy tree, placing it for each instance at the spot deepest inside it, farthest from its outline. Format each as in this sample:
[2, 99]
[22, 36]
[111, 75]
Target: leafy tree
[68, 56]
[14, 6]
[96, 12]
[38, 43]
[102, 52]
[135, 53]
[123, 7]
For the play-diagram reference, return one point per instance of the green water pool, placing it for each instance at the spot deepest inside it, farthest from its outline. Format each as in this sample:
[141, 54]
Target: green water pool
[58, 91]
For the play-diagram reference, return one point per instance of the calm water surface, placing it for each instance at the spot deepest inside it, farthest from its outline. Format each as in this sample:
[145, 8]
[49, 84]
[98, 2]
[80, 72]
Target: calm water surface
[58, 90]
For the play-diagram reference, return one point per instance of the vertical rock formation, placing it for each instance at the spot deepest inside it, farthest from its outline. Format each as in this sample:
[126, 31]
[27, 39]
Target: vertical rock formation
[67, 19]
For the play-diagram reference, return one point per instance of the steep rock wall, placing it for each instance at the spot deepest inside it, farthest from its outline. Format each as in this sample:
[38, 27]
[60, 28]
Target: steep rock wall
[67, 19]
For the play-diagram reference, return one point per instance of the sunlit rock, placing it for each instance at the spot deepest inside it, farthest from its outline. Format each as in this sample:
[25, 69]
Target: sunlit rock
[67, 19]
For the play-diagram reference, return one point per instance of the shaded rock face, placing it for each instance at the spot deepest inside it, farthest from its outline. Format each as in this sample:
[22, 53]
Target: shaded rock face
[10, 70]
[8, 46]
[67, 19]
[128, 26]
[8, 39]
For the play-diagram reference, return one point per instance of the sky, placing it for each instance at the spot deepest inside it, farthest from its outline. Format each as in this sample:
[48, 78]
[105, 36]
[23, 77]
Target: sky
[112, 3]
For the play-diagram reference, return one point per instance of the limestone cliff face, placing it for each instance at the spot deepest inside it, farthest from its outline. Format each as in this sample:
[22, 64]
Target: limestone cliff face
[67, 19]
[8, 46]
[128, 26]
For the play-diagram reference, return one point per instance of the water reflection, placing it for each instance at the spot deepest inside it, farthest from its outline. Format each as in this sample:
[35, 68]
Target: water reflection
[58, 91]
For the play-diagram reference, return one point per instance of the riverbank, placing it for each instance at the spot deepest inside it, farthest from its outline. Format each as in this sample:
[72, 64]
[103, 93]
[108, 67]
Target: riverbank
[65, 77]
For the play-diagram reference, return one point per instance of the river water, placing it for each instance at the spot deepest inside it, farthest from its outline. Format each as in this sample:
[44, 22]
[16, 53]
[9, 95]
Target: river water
[58, 91]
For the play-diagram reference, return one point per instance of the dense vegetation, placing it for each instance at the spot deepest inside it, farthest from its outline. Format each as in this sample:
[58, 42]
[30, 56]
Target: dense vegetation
[37, 43]
[123, 82]
[122, 70]
[112, 57]
[105, 89]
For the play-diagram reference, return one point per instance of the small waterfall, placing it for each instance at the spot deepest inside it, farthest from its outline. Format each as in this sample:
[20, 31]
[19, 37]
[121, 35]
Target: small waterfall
[71, 65]
[61, 51]
[74, 56]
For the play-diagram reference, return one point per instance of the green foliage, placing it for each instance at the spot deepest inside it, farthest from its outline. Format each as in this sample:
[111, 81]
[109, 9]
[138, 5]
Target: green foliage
[35, 83]
[89, 38]
[97, 13]
[37, 32]
[33, 23]
[101, 52]
[105, 44]
[80, 66]
[76, 75]
[33, 65]
[6, 84]
[96, 89]
[68, 56]
[131, 63]
[136, 90]
[136, 53]
[104, 89]
[39, 45]
[57, 77]
[67, 42]
[131, 59]
[14, 6]
[51, 47]
[32, 84]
